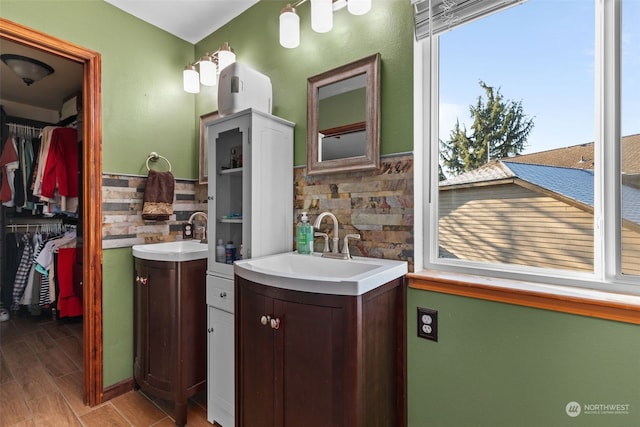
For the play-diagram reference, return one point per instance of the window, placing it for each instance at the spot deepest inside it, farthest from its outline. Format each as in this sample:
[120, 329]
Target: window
[532, 140]
[630, 148]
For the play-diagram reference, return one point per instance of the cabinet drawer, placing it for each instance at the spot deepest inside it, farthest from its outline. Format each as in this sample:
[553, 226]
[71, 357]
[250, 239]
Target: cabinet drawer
[220, 293]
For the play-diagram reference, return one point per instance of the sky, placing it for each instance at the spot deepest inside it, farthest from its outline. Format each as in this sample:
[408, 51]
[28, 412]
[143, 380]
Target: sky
[541, 53]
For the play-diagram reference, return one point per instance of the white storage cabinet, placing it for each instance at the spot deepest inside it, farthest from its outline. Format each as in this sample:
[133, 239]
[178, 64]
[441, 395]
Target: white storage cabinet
[250, 202]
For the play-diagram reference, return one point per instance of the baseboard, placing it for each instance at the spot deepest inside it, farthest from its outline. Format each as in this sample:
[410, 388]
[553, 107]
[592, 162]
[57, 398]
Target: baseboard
[117, 389]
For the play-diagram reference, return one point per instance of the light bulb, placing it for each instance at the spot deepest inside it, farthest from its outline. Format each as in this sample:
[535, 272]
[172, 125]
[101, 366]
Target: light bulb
[207, 71]
[321, 15]
[226, 56]
[359, 7]
[289, 28]
[190, 79]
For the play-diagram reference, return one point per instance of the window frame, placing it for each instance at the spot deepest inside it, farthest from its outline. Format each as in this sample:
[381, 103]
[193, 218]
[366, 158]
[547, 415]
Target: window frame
[606, 277]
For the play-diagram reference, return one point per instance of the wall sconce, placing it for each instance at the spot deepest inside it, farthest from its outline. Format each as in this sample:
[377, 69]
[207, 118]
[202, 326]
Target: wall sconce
[28, 69]
[321, 17]
[210, 66]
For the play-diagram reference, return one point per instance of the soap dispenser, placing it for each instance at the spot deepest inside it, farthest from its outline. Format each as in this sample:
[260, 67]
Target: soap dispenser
[304, 235]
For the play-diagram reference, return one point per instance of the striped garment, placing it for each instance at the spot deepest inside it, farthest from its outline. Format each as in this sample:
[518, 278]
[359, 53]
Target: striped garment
[26, 262]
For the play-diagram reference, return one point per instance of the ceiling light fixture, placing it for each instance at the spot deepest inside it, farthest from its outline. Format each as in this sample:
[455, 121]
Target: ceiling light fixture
[28, 69]
[210, 66]
[321, 17]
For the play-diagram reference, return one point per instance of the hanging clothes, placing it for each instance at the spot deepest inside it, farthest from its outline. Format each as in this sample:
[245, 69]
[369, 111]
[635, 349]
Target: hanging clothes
[38, 244]
[9, 163]
[61, 169]
[24, 267]
[43, 154]
[69, 304]
[12, 254]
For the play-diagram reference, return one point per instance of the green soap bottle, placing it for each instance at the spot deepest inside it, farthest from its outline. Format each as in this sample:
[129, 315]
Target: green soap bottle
[304, 235]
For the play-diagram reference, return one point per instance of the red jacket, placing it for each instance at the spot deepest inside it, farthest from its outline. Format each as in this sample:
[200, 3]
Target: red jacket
[61, 169]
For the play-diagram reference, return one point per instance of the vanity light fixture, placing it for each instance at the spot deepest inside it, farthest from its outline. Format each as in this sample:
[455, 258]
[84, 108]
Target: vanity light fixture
[321, 17]
[28, 69]
[210, 66]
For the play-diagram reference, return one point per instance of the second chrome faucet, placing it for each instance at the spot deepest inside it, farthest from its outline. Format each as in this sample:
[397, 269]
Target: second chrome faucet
[335, 252]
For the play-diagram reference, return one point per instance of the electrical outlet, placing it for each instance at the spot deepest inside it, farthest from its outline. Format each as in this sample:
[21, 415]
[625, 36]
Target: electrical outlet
[187, 231]
[428, 323]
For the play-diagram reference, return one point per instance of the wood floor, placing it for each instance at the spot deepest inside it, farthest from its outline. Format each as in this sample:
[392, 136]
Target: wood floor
[41, 382]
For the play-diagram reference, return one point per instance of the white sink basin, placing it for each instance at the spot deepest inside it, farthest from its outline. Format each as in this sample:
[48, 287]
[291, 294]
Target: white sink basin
[313, 273]
[181, 250]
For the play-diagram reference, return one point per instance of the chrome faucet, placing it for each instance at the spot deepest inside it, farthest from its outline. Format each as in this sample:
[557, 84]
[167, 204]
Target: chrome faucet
[335, 252]
[206, 219]
[336, 239]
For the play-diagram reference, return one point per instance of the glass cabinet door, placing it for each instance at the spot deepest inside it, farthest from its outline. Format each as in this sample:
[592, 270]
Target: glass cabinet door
[226, 154]
[229, 190]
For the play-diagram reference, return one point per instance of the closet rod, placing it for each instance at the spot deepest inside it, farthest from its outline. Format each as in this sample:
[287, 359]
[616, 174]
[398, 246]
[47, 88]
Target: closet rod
[24, 129]
[39, 224]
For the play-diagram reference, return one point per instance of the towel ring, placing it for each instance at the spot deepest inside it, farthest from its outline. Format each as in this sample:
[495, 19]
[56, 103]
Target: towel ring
[153, 156]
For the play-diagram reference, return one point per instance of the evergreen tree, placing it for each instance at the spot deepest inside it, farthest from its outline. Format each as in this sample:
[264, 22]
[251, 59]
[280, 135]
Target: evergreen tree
[500, 129]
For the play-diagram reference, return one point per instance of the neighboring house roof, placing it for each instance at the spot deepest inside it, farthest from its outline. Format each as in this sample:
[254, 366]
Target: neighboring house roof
[491, 171]
[582, 156]
[575, 184]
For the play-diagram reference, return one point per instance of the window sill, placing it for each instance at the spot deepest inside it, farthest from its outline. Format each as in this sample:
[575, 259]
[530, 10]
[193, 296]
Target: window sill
[584, 302]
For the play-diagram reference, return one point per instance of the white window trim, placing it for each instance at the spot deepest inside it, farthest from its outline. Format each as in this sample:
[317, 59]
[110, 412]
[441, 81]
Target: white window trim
[604, 281]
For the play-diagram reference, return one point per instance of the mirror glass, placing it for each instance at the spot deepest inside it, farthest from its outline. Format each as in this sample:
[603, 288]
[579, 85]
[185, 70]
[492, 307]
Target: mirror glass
[343, 118]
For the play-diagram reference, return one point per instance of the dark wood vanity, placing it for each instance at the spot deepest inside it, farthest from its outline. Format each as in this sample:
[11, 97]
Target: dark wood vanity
[317, 360]
[170, 335]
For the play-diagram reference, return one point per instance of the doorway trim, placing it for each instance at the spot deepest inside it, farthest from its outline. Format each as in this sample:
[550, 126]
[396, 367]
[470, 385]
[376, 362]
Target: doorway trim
[91, 193]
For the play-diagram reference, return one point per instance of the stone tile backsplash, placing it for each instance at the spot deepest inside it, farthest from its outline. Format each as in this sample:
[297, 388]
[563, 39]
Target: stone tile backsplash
[376, 204]
[122, 223]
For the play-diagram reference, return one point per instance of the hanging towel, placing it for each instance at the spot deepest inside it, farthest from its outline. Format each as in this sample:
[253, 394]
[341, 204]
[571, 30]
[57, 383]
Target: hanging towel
[158, 196]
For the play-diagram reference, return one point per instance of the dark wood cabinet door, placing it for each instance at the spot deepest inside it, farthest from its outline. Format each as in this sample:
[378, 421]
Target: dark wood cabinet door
[156, 328]
[255, 360]
[310, 363]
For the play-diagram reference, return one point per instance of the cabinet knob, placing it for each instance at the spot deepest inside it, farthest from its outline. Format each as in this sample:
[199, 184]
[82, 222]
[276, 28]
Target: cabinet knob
[223, 294]
[275, 323]
[265, 319]
[141, 280]
[209, 330]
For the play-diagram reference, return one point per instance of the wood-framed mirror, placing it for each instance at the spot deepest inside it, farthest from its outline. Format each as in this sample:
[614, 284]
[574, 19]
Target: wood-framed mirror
[343, 118]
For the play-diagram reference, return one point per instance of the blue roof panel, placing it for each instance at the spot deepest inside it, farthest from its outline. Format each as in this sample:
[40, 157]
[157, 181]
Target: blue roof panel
[577, 184]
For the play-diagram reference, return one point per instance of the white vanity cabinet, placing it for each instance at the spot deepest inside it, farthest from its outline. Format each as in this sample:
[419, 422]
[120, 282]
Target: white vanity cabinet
[250, 203]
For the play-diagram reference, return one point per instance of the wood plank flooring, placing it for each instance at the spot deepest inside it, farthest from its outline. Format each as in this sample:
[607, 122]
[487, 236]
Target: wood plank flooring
[41, 382]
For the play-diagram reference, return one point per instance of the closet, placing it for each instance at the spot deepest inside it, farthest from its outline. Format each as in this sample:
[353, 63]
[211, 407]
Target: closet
[41, 188]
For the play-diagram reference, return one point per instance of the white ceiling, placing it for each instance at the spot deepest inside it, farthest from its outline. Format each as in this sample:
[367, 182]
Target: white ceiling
[191, 20]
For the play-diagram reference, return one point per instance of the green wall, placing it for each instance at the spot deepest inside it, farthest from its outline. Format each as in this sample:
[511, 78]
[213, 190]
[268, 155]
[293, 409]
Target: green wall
[497, 364]
[117, 304]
